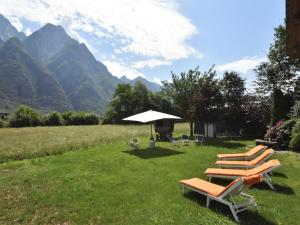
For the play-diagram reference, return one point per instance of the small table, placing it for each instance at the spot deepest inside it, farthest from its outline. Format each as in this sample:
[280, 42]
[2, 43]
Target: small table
[270, 144]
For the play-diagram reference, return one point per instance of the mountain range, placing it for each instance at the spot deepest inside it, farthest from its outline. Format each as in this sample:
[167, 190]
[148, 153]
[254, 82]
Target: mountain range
[50, 71]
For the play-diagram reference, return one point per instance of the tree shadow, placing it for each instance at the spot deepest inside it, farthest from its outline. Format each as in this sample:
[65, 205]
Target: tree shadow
[278, 188]
[220, 142]
[153, 153]
[246, 217]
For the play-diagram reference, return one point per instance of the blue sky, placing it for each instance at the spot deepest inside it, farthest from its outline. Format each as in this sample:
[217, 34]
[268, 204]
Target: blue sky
[150, 38]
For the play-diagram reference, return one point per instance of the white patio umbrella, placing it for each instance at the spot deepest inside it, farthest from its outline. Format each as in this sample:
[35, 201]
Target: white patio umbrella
[150, 116]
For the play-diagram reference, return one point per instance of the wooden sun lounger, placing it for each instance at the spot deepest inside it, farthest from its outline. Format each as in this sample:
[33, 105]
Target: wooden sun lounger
[247, 164]
[224, 194]
[263, 169]
[250, 154]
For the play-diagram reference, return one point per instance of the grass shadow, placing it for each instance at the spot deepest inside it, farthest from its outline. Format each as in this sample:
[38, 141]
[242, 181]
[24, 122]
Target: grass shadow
[278, 174]
[222, 142]
[278, 188]
[246, 217]
[153, 153]
[262, 186]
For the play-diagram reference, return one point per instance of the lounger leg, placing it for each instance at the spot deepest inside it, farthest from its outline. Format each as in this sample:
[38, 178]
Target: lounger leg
[209, 178]
[270, 184]
[207, 201]
[183, 189]
[268, 180]
[232, 209]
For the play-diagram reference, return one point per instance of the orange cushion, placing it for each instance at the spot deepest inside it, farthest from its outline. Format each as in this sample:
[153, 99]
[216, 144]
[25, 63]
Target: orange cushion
[255, 150]
[262, 156]
[204, 186]
[234, 163]
[236, 172]
[263, 167]
[226, 172]
[247, 163]
[250, 152]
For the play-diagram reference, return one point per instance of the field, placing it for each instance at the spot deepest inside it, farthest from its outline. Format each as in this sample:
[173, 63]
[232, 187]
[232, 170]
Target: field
[24, 143]
[106, 183]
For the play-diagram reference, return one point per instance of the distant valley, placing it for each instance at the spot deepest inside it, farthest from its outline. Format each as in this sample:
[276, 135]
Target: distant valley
[50, 71]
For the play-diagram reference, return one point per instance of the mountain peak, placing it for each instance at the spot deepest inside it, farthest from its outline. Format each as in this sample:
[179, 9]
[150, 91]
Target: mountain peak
[150, 85]
[47, 41]
[7, 30]
[52, 27]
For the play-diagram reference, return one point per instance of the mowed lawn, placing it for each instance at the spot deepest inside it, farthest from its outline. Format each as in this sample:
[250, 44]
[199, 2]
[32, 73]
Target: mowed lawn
[105, 183]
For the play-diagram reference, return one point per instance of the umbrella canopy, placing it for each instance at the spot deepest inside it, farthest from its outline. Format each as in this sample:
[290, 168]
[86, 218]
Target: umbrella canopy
[149, 116]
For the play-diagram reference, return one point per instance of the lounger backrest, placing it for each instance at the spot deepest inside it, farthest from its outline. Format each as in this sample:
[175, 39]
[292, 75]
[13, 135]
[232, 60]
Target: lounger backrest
[266, 154]
[267, 166]
[239, 184]
[233, 188]
[255, 150]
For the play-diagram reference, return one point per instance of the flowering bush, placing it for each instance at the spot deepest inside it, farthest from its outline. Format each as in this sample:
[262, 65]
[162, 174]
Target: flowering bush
[273, 134]
[281, 133]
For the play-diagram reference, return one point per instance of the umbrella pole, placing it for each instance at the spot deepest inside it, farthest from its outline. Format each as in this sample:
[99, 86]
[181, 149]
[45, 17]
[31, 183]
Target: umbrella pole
[151, 131]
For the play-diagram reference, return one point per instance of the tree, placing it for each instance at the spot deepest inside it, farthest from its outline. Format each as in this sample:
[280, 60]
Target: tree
[278, 73]
[196, 94]
[25, 116]
[209, 99]
[257, 113]
[233, 90]
[121, 104]
[183, 91]
[142, 98]
[128, 100]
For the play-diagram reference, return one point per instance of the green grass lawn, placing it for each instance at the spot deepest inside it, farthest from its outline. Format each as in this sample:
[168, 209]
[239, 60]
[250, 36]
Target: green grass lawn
[108, 184]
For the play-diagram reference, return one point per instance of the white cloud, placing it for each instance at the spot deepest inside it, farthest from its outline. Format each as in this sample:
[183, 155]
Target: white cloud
[243, 66]
[157, 80]
[150, 63]
[120, 69]
[149, 28]
[15, 22]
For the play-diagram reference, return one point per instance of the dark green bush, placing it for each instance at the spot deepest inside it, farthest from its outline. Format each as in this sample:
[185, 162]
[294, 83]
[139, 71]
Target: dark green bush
[295, 141]
[80, 118]
[25, 117]
[289, 124]
[54, 119]
[67, 116]
[3, 123]
[285, 132]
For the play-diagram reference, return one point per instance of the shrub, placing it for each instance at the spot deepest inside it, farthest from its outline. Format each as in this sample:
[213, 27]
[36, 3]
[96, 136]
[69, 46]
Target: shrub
[288, 125]
[54, 119]
[296, 110]
[67, 116]
[3, 123]
[80, 118]
[285, 132]
[295, 141]
[25, 117]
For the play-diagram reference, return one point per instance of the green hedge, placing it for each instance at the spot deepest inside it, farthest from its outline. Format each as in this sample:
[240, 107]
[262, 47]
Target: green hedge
[27, 117]
[295, 141]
